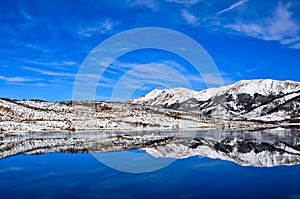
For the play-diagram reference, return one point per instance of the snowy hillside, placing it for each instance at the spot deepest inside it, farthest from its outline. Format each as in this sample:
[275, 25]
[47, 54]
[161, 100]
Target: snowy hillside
[266, 100]
[38, 116]
[167, 97]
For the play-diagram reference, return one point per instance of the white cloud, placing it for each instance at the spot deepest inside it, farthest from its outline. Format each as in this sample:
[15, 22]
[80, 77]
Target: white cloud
[47, 64]
[51, 73]
[162, 72]
[295, 46]
[35, 47]
[237, 4]
[17, 79]
[146, 3]
[69, 63]
[185, 2]
[217, 79]
[279, 27]
[83, 76]
[211, 79]
[102, 27]
[152, 73]
[189, 17]
[119, 67]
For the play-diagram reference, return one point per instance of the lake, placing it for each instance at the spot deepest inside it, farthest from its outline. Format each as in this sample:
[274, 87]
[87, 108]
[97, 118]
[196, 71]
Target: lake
[155, 164]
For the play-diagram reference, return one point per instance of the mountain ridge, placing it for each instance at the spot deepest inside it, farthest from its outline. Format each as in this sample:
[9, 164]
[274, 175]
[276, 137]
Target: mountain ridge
[242, 99]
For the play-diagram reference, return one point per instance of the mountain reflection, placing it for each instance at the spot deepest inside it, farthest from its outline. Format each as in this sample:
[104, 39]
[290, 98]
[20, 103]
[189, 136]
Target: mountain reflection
[266, 148]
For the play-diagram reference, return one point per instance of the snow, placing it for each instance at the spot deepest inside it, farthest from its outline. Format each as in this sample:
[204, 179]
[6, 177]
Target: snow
[178, 95]
[287, 90]
[264, 87]
[211, 92]
[166, 97]
[27, 116]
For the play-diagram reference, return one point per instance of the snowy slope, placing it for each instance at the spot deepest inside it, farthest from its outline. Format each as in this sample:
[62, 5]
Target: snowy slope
[166, 97]
[252, 99]
[35, 116]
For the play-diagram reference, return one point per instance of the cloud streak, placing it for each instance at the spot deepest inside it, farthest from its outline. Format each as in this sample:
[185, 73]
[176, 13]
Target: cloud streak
[18, 79]
[50, 73]
[233, 6]
[151, 4]
[25, 15]
[279, 27]
[184, 2]
[189, 17]
[103, 27]
[50, 63]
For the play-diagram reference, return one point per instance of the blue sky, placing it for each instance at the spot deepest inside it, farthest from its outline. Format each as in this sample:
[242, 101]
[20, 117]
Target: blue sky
[43, 43]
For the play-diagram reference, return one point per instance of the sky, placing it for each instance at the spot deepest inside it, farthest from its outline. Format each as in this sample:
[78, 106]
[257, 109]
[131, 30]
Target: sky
[43, 44]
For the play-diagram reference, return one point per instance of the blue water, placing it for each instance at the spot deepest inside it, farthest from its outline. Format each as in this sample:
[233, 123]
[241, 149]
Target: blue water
[60, 175]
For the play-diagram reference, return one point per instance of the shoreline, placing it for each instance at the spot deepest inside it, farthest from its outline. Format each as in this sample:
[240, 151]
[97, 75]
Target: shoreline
[101, 130]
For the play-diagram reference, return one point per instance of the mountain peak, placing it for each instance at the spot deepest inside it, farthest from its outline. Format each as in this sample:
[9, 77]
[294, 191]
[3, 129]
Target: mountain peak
[264, 86]
[166, 96]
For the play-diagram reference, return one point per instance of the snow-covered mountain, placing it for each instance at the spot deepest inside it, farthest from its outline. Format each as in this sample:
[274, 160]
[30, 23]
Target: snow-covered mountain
[167, 97]
[267, 100]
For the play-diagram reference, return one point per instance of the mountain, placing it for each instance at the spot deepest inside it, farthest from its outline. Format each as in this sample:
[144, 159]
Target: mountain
[265, 100]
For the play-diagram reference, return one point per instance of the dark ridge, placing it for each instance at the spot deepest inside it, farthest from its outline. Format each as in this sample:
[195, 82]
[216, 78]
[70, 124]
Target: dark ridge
[37, 100]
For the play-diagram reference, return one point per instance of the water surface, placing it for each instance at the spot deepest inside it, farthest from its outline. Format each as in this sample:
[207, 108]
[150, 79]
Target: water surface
[78, 174]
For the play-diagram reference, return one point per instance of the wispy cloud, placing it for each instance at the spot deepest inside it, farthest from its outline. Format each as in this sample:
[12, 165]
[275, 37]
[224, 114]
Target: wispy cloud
[161, 73]
[151, 4]
[18, 79]
[119, 67]
[69, 63]
[210, 80]
[279, 27]
[37, 48]
[233, 6]
[295, 46]
[52, 64]
[25, 14]
[51, 73]
[64, 78]
[137, 73]
[184, 2]
[214, 79]
[102, 27]
[29, 20]
[189, 17]
[152, 73]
